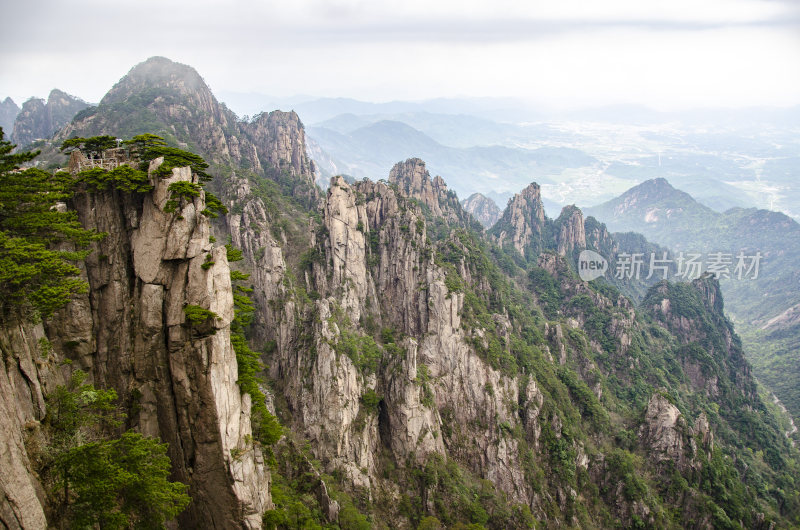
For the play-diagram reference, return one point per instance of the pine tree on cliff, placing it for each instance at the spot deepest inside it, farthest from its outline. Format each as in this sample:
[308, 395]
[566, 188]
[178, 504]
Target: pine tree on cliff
[35, 273]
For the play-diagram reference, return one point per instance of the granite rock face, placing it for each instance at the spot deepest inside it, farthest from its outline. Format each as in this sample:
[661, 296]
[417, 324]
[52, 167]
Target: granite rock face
[41, 119]
[373, 265]
[522, 225]
[130, 333]
[482, 208]
[26, 376]
[8, 113]
[569, 231]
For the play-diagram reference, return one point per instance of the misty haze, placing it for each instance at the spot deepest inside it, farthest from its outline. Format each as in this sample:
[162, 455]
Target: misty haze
[413, 265]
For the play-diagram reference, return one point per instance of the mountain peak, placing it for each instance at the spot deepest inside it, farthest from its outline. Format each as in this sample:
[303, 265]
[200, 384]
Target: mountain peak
[411, 175]
[532, 193]
[570, 232]
[653, 202]
[8, 113]
[414, 180]
[523, 222]
[157, 72]
[41, 119]
[483, 208]
[655, 190]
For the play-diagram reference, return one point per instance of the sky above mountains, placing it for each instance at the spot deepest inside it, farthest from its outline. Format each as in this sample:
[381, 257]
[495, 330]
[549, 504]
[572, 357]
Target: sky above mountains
[575, 53]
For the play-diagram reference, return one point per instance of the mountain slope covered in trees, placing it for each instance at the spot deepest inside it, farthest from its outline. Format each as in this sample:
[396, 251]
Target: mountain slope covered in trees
[425, 372]
[765, 308]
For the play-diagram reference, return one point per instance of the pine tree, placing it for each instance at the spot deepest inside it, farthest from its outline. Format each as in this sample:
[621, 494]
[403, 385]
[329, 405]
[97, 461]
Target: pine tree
[36, 273]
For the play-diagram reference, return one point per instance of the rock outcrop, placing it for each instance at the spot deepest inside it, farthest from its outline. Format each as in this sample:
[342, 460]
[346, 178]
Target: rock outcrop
[694, 314]
[27, 374]
[482, 208]
[169, 93]
[176, 381]
[671, 438]
[413, 180]
[40, 119]
[8, 113]
[375, 266]
[569, 231]
[522, 225]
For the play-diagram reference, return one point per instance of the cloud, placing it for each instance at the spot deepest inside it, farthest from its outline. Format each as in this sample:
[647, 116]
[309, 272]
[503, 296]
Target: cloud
[572, 52]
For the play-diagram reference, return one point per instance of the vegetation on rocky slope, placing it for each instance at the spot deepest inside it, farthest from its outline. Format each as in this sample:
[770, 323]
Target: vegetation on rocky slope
[427, 374]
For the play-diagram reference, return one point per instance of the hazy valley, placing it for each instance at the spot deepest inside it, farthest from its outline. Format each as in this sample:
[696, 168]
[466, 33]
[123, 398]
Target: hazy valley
[319, 326]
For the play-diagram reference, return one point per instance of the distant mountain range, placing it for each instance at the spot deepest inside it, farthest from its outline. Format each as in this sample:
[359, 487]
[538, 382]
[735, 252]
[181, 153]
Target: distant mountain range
[418, 370]
[742, 159]
[371, 150]
[765, 309]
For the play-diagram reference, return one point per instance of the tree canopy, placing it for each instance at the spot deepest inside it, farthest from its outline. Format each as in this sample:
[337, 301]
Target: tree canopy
[93, 145]
[34, 273]
[112, 482]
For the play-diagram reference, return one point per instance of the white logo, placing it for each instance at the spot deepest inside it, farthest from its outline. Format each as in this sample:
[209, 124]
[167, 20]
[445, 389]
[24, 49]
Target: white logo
[591, 265]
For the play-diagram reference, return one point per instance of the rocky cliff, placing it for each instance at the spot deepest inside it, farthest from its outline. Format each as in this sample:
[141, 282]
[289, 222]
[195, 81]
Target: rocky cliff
[172, 100]
[41, 119]
[569, 231]
[424, 369]
[177, 381]
[28, 374]
[413, 180]
[482, 208]
[402, 362]
[8, 113]
[523, 225]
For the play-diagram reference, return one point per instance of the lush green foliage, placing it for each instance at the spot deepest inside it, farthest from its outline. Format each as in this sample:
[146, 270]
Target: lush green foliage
[265, 426]
[179, 193]
[122, 483]
[94, 145]
[34, 274]
[214, 206]
[361, 349]
[459, 499]
[124, 178]
[200, 320]
[98, 480]
[196, 315]
[294, 489]
[147, 147]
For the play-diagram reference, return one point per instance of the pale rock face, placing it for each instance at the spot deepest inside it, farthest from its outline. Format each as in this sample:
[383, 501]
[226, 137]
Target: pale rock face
[281, 138]
[414, 181]
[25, 377]
[132, 336]
[482, 208]
[186, 235]
[661, 429]
[556, 337]
[414, 426]
[523, 220]
[373, 267]
[570, 233]
[667, 434]
[347, 244]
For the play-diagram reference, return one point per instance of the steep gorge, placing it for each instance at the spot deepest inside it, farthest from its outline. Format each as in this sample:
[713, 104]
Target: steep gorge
[422, 367]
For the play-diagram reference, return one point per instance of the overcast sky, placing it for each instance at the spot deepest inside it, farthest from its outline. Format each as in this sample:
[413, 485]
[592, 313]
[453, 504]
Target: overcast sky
[568, 53]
